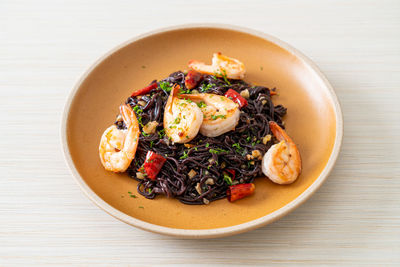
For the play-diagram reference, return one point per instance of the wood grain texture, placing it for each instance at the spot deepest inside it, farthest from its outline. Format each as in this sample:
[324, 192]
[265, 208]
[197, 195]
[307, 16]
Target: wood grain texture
[354, 219]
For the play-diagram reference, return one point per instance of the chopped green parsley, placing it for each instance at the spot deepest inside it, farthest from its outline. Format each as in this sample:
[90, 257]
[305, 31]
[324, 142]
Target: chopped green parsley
[132, 195]
[214, 117]
[166, 86]
[223, 74]
[201, 104]
[161, 133]
[238, 148]
[205, 88]
[188, 91]
[227, 179]
[137, 109]
[185, 155]
[177, 120]
[217, 151]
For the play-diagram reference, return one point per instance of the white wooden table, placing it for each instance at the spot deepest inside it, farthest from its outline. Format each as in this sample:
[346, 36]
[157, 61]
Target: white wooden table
[354, 219]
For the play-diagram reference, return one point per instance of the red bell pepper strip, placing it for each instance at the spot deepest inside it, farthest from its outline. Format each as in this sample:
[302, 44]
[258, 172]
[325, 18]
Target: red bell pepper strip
[239, 191]
[236, 97]
[152, 165]
[192, 79]
[145, 90]
[232, 172]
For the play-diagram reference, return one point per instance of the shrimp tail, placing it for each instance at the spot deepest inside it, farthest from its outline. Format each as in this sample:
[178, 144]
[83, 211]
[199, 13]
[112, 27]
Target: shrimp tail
[118, 147]
[279, 133]
[175, 89]
[128, 115]
[131, 121]
[201, 67]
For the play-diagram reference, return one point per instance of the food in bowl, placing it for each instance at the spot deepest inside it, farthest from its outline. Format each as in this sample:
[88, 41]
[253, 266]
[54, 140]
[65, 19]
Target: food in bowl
[201, 135]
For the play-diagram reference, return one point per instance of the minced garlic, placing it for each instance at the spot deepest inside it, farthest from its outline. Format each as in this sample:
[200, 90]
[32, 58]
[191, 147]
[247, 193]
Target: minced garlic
[150, 127]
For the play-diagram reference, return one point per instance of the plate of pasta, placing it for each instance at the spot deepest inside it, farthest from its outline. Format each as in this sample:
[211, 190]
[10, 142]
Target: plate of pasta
[201, 131]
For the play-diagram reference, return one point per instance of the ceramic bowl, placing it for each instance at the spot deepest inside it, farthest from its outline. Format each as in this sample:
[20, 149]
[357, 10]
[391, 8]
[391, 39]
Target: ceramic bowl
[313, 120]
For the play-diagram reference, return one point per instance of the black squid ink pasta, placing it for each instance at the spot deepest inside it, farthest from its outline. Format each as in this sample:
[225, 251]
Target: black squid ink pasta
[201, 170]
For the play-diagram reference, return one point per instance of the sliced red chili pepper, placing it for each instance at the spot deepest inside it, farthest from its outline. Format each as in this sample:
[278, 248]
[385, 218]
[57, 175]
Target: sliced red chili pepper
[236, 97]
[240, 191]
[145, 90]
[272, 93]
[232, 172]
[192, 79]
[152, 165]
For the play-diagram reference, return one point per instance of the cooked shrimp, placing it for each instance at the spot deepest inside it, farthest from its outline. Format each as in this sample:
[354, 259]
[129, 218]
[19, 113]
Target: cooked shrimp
[282, 162]
[118, 147]
[220, 114]
[182, 118]
[221, 66]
